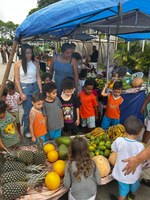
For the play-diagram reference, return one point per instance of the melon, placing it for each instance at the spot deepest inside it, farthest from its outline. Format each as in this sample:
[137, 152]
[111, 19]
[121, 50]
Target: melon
[112, 158]
[137, 82]
[102, 164]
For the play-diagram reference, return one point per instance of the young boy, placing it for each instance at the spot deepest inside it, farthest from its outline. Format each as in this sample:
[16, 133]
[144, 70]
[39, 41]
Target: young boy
[52, 110]
[13, 101]
[8, 129]
[47, 78]
[38, 127]
[112, 114]
[88, 109]
[126, 148]
[70, 107]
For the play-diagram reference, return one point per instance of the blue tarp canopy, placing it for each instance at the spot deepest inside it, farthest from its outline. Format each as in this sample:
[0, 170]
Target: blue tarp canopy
[66, 16]
[65, 13]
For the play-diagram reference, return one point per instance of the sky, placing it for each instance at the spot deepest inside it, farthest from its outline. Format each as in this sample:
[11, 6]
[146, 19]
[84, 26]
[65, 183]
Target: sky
[15, 10]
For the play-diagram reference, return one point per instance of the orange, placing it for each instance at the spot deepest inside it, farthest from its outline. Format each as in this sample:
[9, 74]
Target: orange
[52, 156]
[59, 167]
[52, 181]
[48, 147]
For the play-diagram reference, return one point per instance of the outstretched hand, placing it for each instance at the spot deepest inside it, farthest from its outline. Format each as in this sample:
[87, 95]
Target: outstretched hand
[132, 164]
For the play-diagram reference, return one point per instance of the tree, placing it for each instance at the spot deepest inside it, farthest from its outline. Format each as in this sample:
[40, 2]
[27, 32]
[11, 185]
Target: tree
[7, 31]
[41, 4]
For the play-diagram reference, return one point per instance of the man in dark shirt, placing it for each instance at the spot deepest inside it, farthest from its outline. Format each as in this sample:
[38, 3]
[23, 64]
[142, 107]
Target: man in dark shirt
[94, 56]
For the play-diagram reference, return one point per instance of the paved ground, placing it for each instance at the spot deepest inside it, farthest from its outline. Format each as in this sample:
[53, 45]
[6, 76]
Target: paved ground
[103, 191]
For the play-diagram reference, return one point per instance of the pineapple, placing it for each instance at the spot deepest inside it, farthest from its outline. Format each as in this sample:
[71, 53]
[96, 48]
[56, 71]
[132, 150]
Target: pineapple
[13, 190]
[14, 165]
[39, 156]
[23, 156]
[14, 176]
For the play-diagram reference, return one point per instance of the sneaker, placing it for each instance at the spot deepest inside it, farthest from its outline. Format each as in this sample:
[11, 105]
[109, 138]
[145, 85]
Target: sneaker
[113, 197]
[145, 182]
[28, 135]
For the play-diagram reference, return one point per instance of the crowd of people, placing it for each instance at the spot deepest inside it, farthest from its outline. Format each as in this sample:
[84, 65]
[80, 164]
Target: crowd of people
[55, 107]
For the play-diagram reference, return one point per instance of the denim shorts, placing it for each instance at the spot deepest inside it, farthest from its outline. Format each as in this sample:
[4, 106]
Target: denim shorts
[89, 122]
[124, 188]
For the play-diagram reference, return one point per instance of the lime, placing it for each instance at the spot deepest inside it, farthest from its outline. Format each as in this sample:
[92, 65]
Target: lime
[92, 154]
[101, 153]
[108, 146]
[102, 143]
[106, 153]
[102, 148]
[91, 148]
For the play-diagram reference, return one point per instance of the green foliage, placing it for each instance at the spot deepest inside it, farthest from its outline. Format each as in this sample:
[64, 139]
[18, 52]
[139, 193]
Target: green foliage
[7, 32]
[41, 4]
[134, 59]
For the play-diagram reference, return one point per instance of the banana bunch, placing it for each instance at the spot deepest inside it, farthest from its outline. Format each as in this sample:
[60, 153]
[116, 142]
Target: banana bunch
[116, 131]
[97, 132]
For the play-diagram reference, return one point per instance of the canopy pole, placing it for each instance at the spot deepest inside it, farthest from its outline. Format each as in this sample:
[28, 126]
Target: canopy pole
[108, 48]
[7, 71]
[99, 47]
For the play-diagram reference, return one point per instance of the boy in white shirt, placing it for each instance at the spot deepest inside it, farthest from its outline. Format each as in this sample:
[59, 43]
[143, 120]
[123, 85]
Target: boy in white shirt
[126, 148]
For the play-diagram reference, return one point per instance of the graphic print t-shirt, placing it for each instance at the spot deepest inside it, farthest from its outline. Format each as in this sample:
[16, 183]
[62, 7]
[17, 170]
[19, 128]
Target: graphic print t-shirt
[69, 109]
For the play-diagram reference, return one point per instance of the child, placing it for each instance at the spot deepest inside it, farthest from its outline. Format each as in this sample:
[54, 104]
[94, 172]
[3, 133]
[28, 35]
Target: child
[47, 78]
[70, 107]
[81, 174]
[13, 100]
[8, 129]
[52, 110]
[112, 114]
[126, 148]
[88, 109]
[38, 127]
[146, 135]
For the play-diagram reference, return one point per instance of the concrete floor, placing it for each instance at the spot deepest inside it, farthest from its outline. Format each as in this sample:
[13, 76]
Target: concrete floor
[103, 191]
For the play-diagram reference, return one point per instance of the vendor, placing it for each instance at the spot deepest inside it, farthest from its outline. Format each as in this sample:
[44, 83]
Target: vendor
[94, 56]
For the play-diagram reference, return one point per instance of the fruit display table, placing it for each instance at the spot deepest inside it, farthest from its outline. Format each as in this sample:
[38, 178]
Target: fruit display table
[45, 193]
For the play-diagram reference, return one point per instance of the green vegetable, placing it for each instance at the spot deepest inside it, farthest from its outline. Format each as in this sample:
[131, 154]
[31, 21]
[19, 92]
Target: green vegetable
[63, 152]
[63, 140]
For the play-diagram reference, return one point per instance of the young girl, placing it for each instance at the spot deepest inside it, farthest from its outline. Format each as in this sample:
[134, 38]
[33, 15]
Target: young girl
[37, 120]
[13, 101]
[70, 107]
[8, 129]
[81, 174]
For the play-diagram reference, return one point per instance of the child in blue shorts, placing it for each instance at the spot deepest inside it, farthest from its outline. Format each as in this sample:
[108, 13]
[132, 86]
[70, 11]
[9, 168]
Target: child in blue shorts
[112, 114]
[52, 110]
[126, 148]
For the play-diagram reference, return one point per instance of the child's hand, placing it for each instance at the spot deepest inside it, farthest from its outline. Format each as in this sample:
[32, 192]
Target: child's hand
[33, 139]
[77, 122]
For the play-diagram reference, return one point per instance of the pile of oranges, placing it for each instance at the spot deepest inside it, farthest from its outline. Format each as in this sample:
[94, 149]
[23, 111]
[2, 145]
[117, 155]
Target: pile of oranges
[53, 178]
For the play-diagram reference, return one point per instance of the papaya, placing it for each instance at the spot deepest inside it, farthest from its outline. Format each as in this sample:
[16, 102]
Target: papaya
[63, 140]
[63, 152]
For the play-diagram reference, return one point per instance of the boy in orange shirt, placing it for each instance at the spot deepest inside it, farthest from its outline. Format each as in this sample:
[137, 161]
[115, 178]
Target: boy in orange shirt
[88, 109]
[112, 114]
[38, 127]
